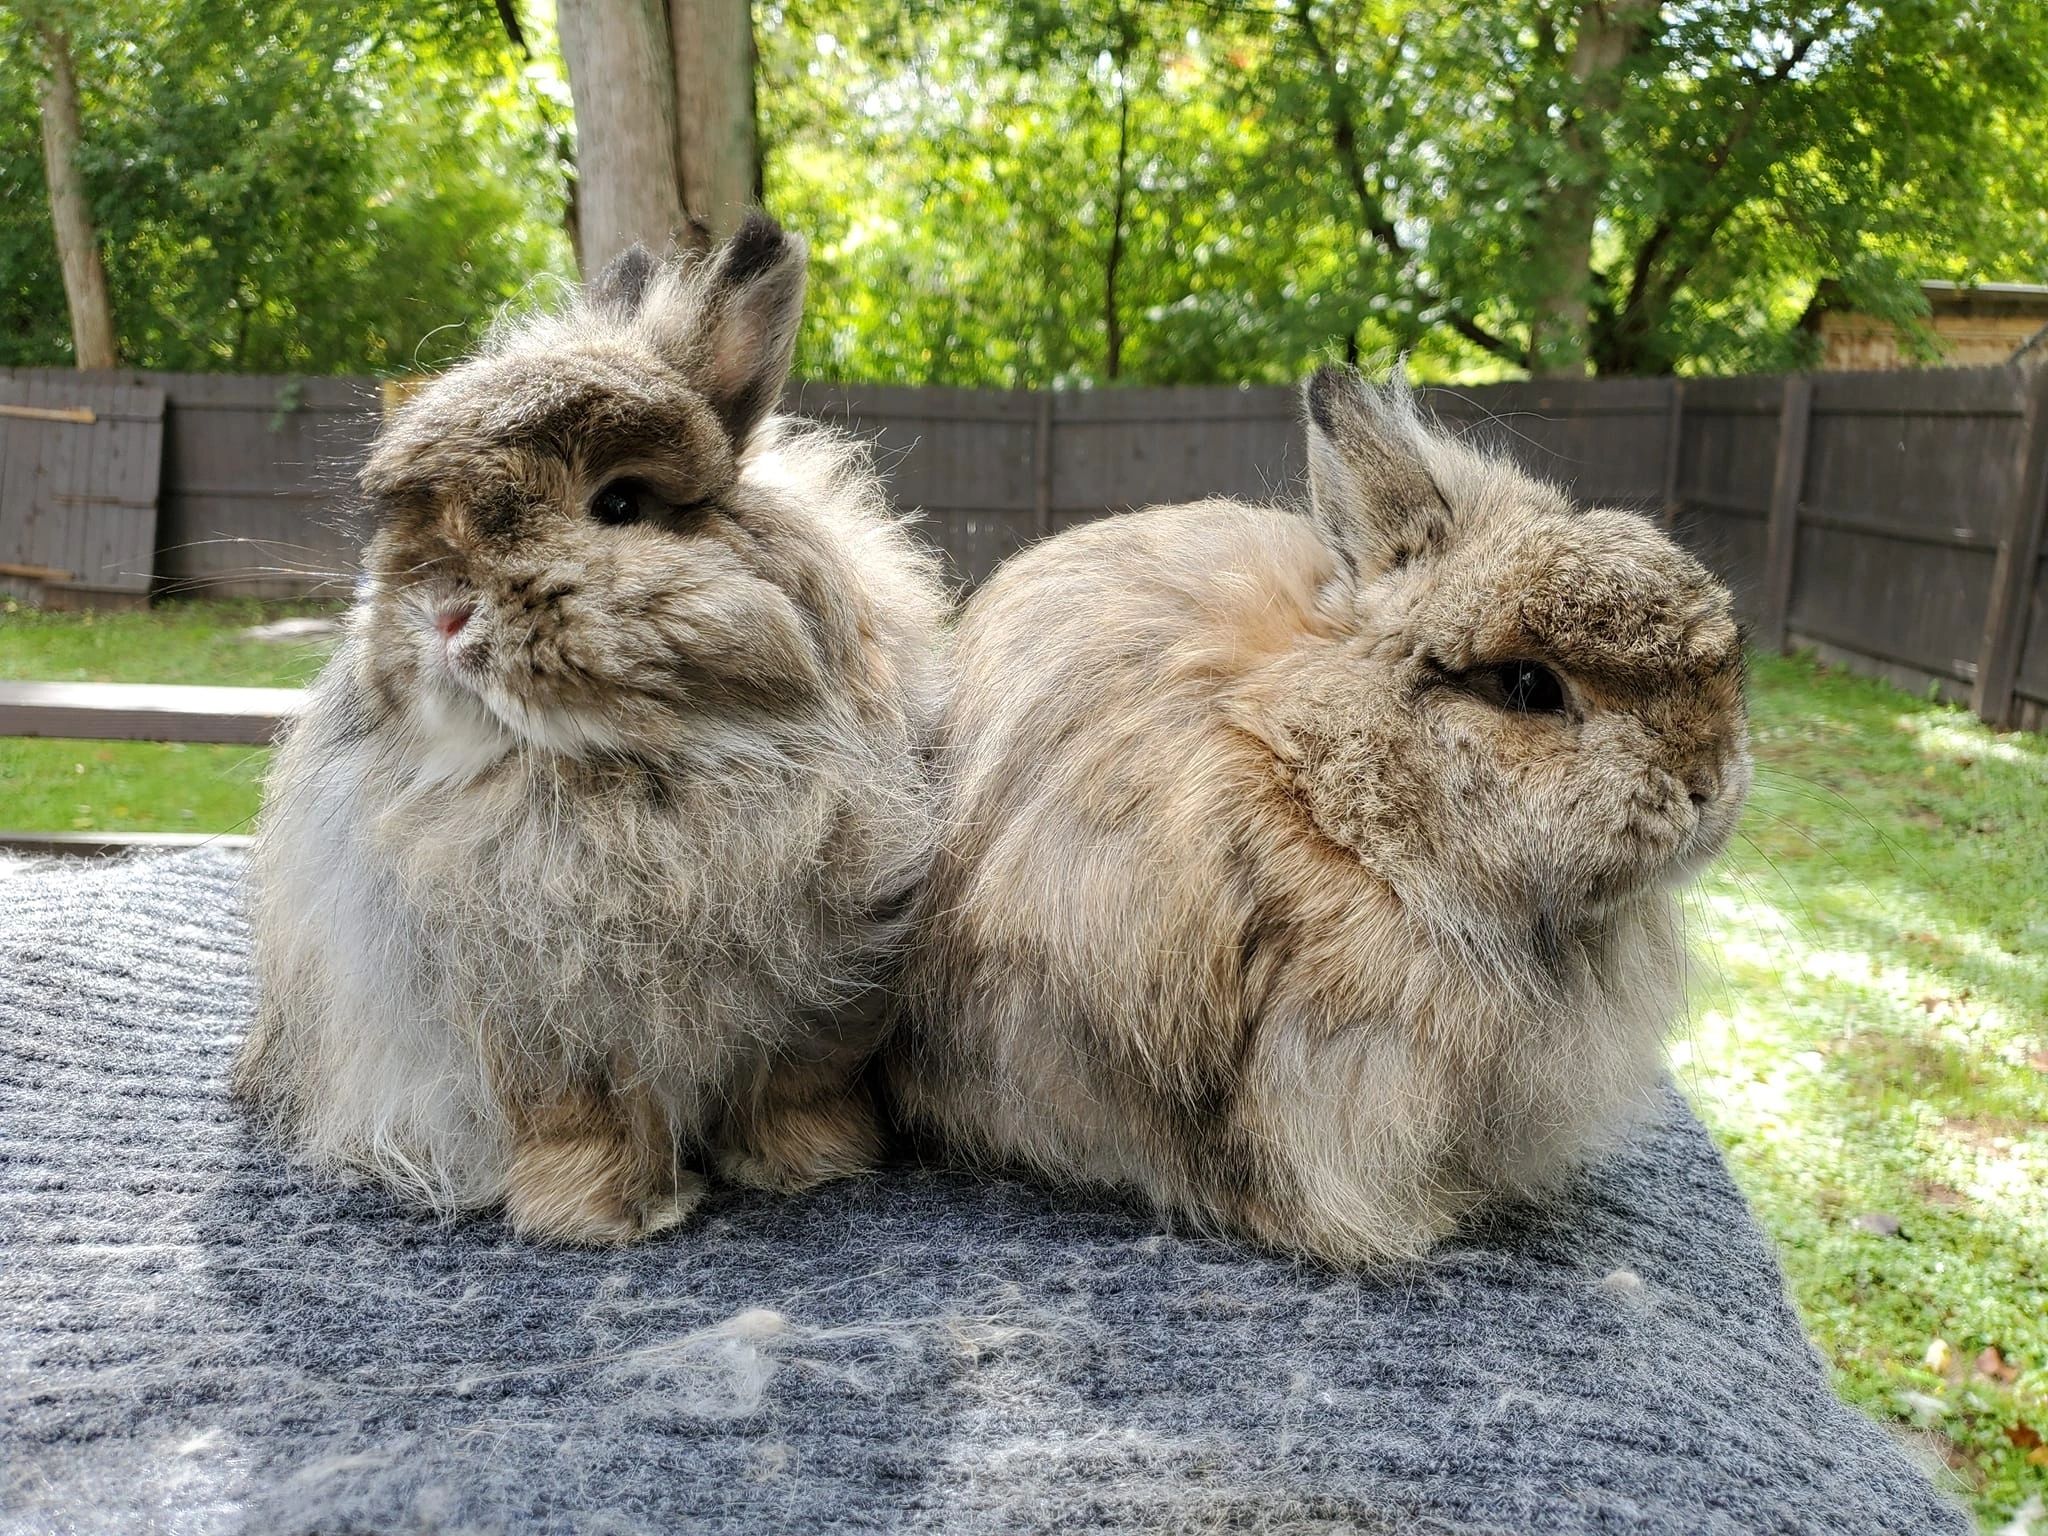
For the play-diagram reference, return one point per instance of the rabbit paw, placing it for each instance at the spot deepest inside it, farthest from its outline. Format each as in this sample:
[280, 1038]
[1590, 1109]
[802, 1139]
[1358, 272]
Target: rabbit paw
[660, 1214]
[800, 1146]
[591, 1190]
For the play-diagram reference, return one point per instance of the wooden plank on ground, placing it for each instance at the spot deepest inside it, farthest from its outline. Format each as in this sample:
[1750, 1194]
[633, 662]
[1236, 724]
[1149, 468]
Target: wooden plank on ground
[146, 712]
[95, 844]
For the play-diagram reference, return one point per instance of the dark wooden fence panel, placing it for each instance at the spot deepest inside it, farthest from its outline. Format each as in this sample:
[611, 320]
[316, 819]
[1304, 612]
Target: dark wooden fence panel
[255, 496]
[80, 459]
[1905, 489]
[1895, 521]
[1116, 450]
[969, 459]
[259, 500]
[2031, 685]
[1726, 461]
[1605, 441]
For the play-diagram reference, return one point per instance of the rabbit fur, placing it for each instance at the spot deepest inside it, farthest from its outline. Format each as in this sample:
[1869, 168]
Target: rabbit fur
[588, 860]
[1314, 876]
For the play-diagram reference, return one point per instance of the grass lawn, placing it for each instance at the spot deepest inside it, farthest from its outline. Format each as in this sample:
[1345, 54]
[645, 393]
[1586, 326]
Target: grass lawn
[1869, 1036]
[65, 786]
[1870, 1044]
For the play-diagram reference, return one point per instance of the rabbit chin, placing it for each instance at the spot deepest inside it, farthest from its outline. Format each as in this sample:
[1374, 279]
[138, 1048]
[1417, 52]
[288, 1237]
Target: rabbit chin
[467, 724]
[1695, 851]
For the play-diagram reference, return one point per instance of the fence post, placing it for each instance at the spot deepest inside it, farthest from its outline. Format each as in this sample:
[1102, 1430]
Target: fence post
[2019, 558]
[1041, 469]
[1782, 532]
[1674, 426]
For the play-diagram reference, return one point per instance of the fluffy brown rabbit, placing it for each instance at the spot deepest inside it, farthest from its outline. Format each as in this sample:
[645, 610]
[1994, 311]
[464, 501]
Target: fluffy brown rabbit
[1314, 876]
[591, 851]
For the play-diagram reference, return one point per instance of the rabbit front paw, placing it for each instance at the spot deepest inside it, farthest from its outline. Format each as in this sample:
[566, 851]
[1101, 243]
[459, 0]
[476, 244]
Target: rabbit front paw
[788, 1146]
[579, 1177]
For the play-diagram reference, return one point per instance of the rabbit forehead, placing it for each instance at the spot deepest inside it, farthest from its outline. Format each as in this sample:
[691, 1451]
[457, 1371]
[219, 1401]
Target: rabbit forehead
[592, 409]
[587, 407]
[1602, 593]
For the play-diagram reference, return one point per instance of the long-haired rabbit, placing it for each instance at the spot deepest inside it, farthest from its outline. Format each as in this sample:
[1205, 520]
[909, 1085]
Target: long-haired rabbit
[589, 857]
[1314, 875]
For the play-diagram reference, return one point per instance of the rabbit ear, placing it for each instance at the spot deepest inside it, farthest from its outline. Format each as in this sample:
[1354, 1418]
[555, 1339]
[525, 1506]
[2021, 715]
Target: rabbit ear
[622, 287]
[1368, 472]
[750, 301]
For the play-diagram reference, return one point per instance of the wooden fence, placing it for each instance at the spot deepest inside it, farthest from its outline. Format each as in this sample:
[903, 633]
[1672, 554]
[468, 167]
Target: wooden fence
[79, 481]
[1892, 521]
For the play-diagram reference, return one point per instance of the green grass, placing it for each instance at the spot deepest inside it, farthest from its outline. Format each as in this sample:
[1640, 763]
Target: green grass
[1870, 1045]
[1870, 1024]
[64, 786]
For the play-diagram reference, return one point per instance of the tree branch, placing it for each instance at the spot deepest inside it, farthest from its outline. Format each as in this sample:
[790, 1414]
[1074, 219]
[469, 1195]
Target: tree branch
[1372, 211]
[508, 18]
[1646, 292]
[1112, 317]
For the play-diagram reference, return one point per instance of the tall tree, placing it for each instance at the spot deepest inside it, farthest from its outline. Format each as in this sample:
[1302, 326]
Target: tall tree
[78, 240]
[664, 93]
[1610, 39]
[1550, 186]
[716, 149]
[623, 77]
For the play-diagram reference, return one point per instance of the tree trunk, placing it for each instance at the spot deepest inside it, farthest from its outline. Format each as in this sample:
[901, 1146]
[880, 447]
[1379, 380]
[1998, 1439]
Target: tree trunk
[622, 81]
[1112, 315]
[1609, 32]
[78, 243]
[715, 139]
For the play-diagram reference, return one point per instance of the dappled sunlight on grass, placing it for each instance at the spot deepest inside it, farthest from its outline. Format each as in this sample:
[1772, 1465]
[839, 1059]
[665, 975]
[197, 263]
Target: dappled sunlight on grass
[1948, 740]
[1869, 1041]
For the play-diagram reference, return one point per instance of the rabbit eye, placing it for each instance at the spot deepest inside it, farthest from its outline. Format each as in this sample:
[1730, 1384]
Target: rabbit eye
[621, 502]
[626, 502]
[1529, 688]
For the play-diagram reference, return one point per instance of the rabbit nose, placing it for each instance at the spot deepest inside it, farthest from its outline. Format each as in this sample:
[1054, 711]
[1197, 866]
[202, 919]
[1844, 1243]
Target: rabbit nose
[1702, 787]
[452, 617]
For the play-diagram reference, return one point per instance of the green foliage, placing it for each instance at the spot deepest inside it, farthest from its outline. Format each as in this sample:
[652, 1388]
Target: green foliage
[1318, 176]
[284, 187]
[956, 170]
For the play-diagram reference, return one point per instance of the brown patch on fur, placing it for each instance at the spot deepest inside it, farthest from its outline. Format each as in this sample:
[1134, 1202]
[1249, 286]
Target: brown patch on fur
[803, 1128]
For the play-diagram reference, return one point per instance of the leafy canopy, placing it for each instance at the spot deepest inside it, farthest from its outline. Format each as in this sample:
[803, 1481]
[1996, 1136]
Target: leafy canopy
[280, 186]
[1318, 176]
[1034, 192]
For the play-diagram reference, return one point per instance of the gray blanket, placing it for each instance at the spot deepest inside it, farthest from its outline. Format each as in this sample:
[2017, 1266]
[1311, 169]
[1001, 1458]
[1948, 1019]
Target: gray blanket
[194, 1336]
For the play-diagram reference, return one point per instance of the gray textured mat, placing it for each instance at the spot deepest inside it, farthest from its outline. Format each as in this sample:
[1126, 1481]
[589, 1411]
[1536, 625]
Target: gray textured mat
[193, 1337]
